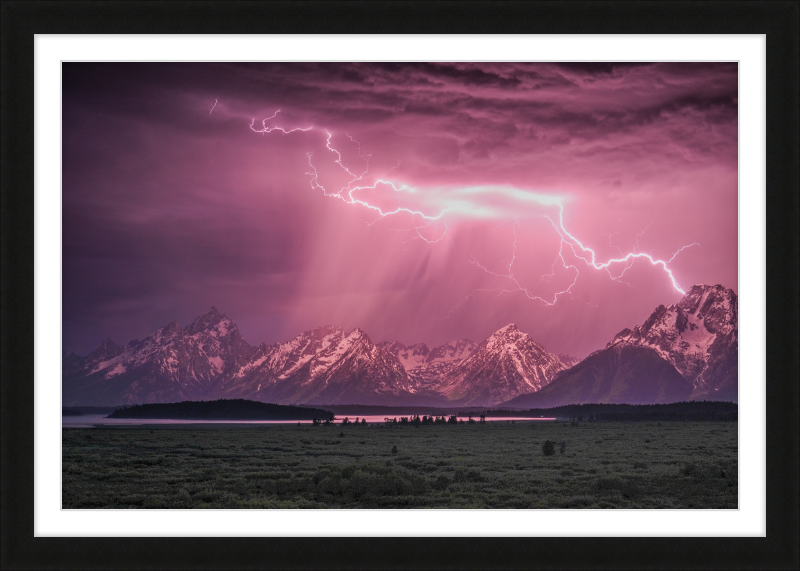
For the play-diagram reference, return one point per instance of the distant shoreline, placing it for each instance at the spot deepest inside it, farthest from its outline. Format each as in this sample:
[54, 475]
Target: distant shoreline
[238, 409]
[243, 410]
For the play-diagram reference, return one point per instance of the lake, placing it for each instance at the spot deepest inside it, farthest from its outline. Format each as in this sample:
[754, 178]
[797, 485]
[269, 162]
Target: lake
[93, 420]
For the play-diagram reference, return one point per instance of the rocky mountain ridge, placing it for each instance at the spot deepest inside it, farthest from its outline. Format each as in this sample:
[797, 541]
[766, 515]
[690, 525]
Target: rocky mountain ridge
[209, 359]
[684, 351]
[699, 336]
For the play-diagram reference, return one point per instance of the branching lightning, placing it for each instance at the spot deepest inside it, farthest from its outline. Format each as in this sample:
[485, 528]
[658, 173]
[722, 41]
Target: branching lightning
[264, 129]
[345, 193]
[421, 221]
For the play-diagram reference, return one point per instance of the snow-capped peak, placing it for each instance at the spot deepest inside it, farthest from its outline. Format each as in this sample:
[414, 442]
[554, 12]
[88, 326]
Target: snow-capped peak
[510, 328]
[693, 334]
[506, 364]
[211, 320]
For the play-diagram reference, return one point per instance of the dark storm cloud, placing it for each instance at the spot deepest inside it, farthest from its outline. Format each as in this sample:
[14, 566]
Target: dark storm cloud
[599, 68]
[170, 207]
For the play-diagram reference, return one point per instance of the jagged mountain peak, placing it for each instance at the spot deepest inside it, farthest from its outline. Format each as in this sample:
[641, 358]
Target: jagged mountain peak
[567, 359]
[716, 306]
[213, 319]
[509, 329]
[108, 345]
[411, 356]
[321, 332]
[358, 333]
[508, 338]
[171, 327]
[506, 364]
[698, 336]
[699, 290]
[452, 351]
[107, 350]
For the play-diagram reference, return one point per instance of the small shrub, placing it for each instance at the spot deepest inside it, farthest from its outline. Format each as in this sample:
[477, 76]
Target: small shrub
[548, 448]
[563, 447]
[394, 449]
[462, 475]
[441, 482]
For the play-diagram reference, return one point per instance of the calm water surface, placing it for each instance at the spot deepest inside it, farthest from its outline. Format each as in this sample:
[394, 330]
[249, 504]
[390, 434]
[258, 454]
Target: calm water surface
[92, 420]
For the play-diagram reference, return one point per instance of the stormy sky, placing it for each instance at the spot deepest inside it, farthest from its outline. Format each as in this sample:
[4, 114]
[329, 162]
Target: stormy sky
[419, 202]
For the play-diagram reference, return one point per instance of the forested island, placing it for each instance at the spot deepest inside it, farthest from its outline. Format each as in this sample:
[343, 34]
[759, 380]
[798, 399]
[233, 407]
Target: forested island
[235, 409]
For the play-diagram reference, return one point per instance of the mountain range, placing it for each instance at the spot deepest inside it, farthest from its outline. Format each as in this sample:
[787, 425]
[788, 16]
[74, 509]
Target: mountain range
[689, 350]
[686, 350]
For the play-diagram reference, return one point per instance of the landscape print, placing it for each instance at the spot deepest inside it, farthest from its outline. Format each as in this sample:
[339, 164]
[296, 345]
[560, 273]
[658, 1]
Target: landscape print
[400, 285]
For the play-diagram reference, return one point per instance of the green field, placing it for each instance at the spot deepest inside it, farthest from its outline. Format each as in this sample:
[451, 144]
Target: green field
[492, 465]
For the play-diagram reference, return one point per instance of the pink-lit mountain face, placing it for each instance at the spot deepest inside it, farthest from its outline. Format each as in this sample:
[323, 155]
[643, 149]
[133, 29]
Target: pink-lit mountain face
[426, 367]
[687, 350]
[209, 359]
[507, 364]
[684, 351]
[699, 336]
[323, 366]
[170, 365]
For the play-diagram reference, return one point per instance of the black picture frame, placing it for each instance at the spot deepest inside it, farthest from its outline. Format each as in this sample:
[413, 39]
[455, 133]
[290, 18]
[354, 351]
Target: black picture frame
[778, 20]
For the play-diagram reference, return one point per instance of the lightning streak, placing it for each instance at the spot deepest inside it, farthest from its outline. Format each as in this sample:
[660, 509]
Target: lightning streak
[575, 243]
[345, 193]
[264, 129]
[463, 204]
[213, 106]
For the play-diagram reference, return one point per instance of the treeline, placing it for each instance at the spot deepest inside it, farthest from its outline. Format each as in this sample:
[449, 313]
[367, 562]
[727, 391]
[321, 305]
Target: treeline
[235, 409]
[80, 410]
[417, 420]
[678, 411]
[375, 410]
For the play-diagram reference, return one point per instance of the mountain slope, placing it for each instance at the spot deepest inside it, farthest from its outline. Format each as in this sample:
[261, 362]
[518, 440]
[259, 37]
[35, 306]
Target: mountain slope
[621, 374]
[426, 367]
[209, 359]
[323, 366]
[508, 363]
[171, 364]
[699, 336]
[568, 360]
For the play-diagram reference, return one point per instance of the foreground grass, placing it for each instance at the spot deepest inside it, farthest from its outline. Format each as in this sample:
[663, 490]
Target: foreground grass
[493, 465]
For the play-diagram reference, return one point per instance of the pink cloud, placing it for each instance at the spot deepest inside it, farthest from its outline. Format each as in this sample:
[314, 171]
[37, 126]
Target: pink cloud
[169, 209]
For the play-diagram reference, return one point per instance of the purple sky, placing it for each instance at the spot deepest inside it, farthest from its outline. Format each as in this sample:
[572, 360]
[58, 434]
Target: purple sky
[172, 203]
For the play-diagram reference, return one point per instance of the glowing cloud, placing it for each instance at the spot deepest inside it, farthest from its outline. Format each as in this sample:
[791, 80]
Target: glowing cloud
[485, 202]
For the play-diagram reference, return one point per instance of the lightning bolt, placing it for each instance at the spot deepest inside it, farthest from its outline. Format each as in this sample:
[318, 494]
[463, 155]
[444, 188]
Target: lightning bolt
[581, 252]
[639, 235]
[421, 221]
[345, 193]
[264, 129]
[592, 261]
[213, 106]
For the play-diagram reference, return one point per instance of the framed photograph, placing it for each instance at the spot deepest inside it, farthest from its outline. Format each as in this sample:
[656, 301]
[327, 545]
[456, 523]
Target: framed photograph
[444, 238]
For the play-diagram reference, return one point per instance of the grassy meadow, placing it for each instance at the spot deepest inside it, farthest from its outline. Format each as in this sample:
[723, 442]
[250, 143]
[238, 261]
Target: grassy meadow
[492, 465]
